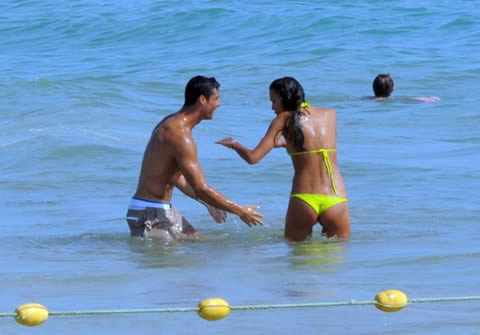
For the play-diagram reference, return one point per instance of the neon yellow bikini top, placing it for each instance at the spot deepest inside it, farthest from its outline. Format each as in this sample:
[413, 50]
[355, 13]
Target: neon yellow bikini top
[326, 159]
[305, 104]
[325, 152]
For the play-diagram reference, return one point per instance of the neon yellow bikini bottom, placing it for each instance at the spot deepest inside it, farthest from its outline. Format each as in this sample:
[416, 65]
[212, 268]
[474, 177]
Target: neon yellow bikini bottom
[319, 202]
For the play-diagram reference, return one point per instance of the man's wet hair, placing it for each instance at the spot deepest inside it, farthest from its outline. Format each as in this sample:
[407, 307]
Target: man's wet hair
[198, 86]
[383, 85]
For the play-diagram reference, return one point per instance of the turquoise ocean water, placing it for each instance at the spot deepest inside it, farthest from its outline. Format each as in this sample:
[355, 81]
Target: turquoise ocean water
[83, 83]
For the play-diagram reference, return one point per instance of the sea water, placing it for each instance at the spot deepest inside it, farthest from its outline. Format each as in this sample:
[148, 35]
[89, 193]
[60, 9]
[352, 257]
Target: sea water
[83, 83]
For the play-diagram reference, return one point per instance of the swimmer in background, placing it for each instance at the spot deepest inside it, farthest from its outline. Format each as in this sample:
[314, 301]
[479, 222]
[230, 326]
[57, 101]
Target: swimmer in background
[170, 160]
[383, 87]
[309, 133]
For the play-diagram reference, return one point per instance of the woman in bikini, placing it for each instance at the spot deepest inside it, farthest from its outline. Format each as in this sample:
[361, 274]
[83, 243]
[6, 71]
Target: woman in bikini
[309, 135]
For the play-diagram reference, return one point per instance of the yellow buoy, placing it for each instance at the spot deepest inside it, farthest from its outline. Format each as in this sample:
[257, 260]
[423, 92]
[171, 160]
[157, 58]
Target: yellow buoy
[391, 300]
[31, 314]
[213, 309]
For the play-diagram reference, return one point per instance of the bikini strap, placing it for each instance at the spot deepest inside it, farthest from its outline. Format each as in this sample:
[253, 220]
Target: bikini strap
[310, 152]
[326, 159]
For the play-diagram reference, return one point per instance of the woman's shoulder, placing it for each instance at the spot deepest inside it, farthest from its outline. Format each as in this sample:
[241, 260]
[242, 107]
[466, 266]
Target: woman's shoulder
[324, 109]
[280, 120]
[321, 111]
[281, 117]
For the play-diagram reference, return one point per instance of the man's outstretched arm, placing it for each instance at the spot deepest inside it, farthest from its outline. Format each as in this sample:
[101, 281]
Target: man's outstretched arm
[219, 215]
[187, 161]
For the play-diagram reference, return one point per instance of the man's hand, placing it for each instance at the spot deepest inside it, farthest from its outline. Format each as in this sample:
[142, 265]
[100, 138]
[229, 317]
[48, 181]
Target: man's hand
[250, 216]
[220, 216]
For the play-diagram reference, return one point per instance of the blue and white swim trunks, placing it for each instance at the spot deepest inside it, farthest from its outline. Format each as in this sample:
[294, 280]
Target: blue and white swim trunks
[157, 219]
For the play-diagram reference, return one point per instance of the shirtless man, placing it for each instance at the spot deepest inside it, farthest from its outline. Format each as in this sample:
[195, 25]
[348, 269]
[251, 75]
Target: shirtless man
[170, 160]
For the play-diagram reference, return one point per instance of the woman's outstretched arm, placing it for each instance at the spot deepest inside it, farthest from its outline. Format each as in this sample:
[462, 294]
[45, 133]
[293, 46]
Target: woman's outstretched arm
[272, 139]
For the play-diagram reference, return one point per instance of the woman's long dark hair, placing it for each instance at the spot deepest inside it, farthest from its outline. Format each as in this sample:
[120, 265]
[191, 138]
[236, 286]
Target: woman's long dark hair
[292, 95]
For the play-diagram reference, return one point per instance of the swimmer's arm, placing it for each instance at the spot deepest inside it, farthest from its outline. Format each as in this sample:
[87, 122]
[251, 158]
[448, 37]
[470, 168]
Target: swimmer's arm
[272, 139]
[426, 99]
[217, 214]
[187, 161]
[186, 189]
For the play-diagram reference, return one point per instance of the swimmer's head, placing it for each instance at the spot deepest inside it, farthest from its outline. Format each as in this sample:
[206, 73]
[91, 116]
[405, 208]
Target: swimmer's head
[290, 92]
[198, 86]
[383, 85]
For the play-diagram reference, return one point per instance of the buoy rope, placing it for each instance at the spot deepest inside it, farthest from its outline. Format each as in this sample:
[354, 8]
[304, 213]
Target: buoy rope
[246, 307]
[304, 305]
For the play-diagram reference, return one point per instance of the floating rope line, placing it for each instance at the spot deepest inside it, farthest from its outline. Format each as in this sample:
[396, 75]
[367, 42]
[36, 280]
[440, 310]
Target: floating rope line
[446, 299]
[246, 307]
[304, 305]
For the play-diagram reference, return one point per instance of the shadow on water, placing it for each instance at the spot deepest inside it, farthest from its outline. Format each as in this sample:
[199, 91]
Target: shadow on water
[148, 253]
[113, 248]
[218, 248]
[316, 253]
[151, 253]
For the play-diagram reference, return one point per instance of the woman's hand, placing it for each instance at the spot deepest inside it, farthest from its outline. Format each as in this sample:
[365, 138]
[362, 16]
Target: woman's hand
[226, 142]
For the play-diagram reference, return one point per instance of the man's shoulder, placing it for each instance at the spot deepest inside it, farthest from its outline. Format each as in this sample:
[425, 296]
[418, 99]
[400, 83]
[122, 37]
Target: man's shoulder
[173, 132]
